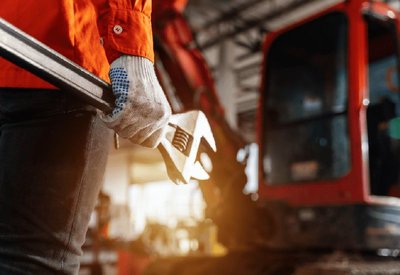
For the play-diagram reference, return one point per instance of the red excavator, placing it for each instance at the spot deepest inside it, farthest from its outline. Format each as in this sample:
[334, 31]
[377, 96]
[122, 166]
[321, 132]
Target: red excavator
[328, 129]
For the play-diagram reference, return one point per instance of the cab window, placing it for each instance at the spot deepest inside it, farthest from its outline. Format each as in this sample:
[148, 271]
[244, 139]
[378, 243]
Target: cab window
[305, 103]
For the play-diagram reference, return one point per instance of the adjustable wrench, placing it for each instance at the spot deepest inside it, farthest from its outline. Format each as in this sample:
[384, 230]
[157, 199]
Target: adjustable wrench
[185, 134]
[181, 145]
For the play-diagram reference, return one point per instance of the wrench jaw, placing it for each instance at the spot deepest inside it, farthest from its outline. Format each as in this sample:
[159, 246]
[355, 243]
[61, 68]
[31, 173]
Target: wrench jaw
[167, 152]
[180, 148]
[174, 165]
[195, 124]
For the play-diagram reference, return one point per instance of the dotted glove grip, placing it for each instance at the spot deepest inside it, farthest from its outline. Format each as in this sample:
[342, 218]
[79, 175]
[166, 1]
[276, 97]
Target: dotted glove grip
[141, 112]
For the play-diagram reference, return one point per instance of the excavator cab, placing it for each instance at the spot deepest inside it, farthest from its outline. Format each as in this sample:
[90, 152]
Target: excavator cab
[328, 129]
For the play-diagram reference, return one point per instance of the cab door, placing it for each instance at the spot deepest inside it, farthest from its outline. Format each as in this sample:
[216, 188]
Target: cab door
[383, 109]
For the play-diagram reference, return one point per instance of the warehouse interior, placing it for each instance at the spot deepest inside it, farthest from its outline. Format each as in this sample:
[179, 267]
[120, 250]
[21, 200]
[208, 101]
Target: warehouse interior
[303, 101]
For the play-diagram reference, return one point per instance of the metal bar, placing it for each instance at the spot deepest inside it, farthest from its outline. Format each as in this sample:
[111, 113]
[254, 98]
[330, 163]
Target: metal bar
[32, 55]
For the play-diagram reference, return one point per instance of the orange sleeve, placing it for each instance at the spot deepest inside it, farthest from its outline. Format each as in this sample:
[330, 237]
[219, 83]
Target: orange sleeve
[125, 27]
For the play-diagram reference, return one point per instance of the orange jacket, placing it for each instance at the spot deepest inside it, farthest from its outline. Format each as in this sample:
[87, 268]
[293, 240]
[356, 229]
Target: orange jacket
[91, 33]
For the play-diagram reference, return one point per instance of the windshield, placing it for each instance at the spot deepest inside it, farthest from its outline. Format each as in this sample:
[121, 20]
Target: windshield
[306, 135]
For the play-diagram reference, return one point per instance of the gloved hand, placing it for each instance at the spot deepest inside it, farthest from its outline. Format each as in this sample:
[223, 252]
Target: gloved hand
[141, 110]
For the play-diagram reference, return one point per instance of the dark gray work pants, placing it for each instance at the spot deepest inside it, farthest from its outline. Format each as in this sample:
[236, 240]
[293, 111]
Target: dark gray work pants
[53, 154]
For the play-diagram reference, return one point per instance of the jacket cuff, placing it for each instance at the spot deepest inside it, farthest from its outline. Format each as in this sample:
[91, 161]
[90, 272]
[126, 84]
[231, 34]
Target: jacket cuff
[129, 33]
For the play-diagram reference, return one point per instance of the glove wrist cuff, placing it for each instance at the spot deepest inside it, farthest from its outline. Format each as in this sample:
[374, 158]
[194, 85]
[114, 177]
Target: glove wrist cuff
[138, 67]
[143, 68]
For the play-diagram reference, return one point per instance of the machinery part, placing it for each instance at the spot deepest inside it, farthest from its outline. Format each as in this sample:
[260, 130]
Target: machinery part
[25, 51]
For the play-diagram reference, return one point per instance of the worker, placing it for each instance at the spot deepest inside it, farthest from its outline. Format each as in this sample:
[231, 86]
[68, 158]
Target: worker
[53, 147]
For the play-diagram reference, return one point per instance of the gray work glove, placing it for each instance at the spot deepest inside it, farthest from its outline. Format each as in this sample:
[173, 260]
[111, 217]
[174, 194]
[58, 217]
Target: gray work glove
[141, 110]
